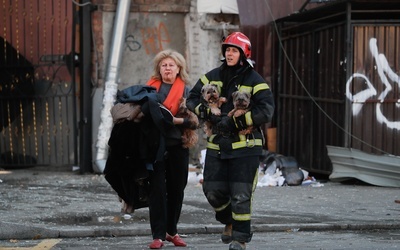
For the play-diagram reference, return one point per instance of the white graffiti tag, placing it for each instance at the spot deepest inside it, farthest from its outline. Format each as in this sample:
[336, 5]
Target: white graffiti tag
[385, 74]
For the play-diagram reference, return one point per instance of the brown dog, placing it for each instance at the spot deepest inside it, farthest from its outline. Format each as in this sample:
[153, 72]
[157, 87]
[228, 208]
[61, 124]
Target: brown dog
[241, 103]
[212, 97]
[189, 135]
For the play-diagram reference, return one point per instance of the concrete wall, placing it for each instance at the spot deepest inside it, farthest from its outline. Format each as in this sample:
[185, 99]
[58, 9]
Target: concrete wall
[146, 35]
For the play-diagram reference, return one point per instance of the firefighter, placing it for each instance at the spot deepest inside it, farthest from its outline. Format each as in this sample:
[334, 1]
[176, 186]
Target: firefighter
[236, 140]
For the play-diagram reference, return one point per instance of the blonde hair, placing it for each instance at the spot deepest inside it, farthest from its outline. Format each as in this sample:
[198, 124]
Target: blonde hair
[179, 60]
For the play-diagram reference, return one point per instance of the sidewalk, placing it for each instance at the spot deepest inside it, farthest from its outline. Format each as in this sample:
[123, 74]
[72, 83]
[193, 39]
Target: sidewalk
[47, 203]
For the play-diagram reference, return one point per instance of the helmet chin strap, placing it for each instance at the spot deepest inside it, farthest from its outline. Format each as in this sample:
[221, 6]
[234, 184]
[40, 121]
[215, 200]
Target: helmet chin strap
[243, 59]
[250, 62]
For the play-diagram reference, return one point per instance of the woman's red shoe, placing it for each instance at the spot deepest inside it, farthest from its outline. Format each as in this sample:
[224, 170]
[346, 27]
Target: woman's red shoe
[178, 242]
[156, 244]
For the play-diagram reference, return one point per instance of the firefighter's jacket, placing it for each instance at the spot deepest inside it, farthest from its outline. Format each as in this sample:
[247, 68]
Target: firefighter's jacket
[234, 144]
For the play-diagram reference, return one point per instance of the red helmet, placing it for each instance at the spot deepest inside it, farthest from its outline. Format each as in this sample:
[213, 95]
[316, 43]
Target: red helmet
[238, 39]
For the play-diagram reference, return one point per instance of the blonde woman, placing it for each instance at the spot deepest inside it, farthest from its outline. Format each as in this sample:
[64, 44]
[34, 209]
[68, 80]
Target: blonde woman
[168, 178]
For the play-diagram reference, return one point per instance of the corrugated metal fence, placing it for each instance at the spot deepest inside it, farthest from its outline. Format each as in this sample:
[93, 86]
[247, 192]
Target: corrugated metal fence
[310, 94]
[338, 82]
[373, 89]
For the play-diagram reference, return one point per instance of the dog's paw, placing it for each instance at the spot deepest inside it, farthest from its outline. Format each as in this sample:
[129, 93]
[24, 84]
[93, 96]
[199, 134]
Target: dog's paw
[222, 100]
[215, 111]
[239, 112]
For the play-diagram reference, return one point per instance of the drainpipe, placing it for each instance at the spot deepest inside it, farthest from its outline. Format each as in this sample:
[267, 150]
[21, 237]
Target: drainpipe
[111, 86]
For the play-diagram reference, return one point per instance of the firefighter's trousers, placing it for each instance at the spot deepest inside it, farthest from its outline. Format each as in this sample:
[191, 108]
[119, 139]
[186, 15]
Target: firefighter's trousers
[228, 186]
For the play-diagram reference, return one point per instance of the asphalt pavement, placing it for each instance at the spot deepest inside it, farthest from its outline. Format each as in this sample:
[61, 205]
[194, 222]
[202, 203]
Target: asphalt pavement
[44, 202]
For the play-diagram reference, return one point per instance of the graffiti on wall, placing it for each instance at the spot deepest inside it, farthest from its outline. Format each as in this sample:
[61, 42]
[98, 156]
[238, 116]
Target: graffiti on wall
[154, 39]
[132, 44]
[386, 74]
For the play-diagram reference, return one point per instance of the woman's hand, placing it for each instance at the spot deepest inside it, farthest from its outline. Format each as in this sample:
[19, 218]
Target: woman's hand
[177, 120]
[185, 122]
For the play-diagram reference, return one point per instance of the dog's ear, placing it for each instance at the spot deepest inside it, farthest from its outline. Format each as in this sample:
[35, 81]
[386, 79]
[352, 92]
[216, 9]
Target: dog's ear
[182, 102]
[235, 94]
[203, 89]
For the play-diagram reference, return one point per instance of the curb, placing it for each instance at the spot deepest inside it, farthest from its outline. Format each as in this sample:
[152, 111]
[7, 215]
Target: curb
[18, 231]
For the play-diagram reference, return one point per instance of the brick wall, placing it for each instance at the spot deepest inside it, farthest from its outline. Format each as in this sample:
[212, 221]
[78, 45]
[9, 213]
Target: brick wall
[98, 67]
[161, 6]
[147, 5]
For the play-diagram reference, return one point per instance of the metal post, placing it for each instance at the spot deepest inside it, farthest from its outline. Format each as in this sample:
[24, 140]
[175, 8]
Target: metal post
[349, 72]
[85, 123]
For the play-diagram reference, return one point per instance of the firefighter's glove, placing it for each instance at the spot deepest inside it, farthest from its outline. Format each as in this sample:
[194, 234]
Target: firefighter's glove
[214, 119]
[226, 125]
[240, 122]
